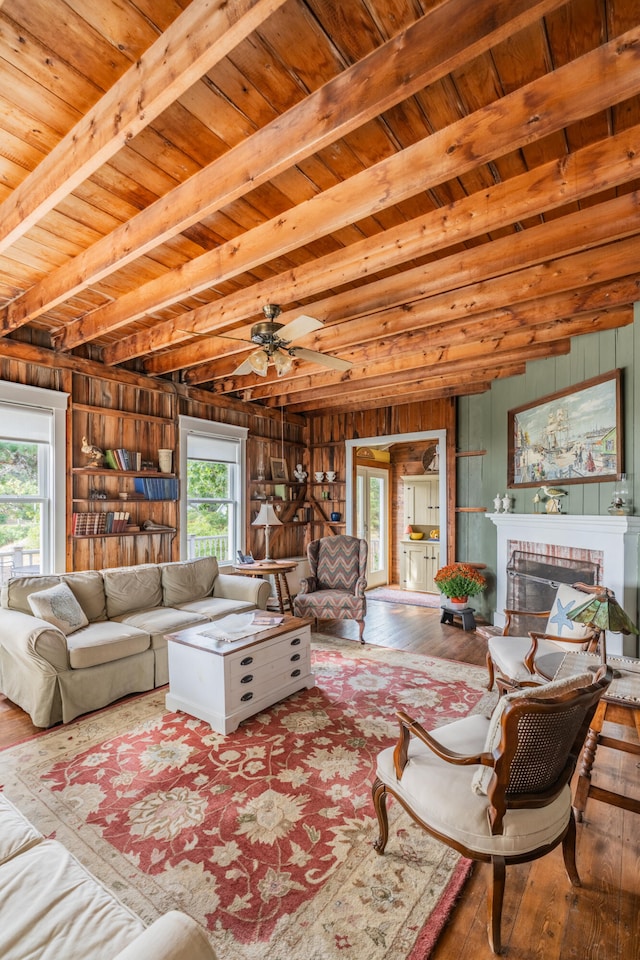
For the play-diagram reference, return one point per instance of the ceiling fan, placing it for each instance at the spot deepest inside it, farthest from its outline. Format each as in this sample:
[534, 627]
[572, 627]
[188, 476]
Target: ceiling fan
[275, 345]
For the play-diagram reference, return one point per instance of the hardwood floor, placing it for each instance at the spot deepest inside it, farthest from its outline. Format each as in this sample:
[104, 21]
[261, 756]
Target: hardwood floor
[544, 917]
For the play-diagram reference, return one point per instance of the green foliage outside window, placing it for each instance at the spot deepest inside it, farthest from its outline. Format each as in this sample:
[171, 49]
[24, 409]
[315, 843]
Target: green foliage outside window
[19, 522]
[209, 482]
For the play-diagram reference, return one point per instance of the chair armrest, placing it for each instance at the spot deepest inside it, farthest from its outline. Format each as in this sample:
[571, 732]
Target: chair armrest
[531, 653]
[308, 585]
[361, 586]
[173, 936]
[409, 726]
[522, 613]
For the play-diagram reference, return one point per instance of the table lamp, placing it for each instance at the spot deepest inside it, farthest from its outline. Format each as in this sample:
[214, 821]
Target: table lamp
[602, 612]
[267, 517]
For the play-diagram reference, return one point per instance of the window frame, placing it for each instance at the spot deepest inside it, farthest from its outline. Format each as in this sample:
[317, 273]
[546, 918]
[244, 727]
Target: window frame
[53, 403]
[214, 430]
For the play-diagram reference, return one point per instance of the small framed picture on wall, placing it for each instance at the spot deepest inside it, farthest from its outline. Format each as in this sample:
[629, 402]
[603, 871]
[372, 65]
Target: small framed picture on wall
[279, 469]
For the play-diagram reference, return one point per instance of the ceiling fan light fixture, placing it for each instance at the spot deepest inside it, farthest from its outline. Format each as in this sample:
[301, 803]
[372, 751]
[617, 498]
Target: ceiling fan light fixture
[258, 361]
[283, 362]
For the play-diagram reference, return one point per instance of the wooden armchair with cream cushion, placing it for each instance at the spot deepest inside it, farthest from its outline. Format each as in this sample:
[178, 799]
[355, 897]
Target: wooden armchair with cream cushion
[513, 658]
[495, 789]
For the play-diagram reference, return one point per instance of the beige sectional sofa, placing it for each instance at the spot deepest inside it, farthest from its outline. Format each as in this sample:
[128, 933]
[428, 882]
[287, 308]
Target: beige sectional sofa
[52, 907]
[56, 674]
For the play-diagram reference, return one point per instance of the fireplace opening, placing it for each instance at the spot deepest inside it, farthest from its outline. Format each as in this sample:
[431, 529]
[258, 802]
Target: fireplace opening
[534, 573]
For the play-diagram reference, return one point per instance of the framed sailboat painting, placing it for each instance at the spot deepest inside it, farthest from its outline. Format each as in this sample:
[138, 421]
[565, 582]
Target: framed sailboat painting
[574, 436]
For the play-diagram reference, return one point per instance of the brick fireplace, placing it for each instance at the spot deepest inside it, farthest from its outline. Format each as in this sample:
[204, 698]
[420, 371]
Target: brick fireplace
[536, 552]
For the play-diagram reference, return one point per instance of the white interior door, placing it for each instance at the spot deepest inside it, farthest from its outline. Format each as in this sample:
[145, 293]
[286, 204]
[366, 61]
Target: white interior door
[372, 524]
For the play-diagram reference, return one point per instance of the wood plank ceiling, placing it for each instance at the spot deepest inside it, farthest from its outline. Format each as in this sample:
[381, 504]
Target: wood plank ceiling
[450, 187]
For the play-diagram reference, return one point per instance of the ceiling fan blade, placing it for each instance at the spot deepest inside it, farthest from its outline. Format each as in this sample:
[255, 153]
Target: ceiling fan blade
[299, 327]
[312, 356]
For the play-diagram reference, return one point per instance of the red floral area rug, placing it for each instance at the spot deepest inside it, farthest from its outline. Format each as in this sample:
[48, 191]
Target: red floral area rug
[264, 836]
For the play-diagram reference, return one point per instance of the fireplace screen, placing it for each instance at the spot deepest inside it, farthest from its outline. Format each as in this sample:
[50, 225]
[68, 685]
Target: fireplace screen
[534, 577]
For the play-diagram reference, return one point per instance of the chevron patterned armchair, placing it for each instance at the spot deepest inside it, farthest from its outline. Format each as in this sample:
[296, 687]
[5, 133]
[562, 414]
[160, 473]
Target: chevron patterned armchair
[336, 588]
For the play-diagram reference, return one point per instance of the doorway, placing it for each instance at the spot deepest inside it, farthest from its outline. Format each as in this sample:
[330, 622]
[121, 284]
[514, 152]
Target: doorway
[372, 501]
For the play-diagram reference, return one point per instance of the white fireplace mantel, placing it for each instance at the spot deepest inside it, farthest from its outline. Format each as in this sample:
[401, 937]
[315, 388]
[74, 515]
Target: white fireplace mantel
[618, 539]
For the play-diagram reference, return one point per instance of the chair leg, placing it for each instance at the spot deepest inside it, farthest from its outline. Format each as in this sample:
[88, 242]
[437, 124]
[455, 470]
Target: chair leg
[490, 669]
[496, 897]
[361, 629]
[379, 794]
[569, 852]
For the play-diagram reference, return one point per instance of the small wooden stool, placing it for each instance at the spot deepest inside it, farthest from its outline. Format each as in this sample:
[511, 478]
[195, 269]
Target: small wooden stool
[449, 614]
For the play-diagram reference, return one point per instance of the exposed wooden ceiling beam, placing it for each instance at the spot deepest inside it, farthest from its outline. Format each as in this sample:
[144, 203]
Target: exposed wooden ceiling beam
[488, 292]
[595, 168]
[607, 75]
[337, 405]
[477, 380]
[199, 38]
[423, 53]
[403, 372]
[403, 365]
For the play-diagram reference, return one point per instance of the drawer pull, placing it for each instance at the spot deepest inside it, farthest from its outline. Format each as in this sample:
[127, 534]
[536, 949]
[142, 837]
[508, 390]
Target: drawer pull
[296, 642]
[296, 673]
[246, 696]
[246, 661]
[247, 679]
[296, 656]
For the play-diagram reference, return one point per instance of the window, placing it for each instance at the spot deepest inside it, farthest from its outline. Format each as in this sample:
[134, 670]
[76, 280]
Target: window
[213, 503]
[32, 480]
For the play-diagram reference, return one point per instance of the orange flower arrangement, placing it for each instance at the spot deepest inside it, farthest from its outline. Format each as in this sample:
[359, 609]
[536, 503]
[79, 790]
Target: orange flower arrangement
[459, 580]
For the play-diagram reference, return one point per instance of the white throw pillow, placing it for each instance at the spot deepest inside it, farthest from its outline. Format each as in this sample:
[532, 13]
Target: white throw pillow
[545, 691]
[58, 606]
[558, 624]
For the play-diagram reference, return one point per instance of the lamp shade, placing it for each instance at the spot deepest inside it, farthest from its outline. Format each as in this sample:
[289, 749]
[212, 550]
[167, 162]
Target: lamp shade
[258, 361]
[267, 517]
[283, 362]
[604, 612]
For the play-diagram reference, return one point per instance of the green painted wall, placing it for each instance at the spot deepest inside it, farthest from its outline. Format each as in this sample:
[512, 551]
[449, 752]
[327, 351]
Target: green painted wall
[482, 425]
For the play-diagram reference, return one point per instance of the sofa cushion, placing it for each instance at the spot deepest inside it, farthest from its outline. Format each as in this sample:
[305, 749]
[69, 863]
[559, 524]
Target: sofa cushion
[104, 642]
[88, 588]
[16, 833]
[15, 594]
[132, 588]
[53, 908]
[161, 620]
[57, 605]
[212, 608]
[188, 580]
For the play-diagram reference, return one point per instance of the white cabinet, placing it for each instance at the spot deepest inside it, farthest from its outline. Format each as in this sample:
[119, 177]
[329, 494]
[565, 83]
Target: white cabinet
[419, 562]
[224, 683]
[422, 502]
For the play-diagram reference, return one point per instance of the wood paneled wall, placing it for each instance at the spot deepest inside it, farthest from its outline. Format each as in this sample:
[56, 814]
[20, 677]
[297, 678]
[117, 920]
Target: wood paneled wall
[116, 407]
[327, 433]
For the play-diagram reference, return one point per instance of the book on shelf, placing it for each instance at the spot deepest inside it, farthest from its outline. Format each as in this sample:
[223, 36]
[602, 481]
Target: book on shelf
[157, 488]
[99, 522]
[123, 459]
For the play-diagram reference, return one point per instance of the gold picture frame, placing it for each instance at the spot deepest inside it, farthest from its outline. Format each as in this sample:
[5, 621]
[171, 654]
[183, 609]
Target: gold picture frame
[279, 470]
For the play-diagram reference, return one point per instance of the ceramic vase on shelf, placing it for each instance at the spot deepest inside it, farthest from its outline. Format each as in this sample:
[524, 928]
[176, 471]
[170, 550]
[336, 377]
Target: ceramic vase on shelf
[497, 503]
[165, 460]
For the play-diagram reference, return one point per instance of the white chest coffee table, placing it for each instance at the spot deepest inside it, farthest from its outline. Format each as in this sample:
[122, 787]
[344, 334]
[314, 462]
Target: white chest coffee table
[225, 682]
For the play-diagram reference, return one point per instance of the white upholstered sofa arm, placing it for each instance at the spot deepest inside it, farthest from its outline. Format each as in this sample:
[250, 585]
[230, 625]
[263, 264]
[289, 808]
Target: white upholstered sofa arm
[173, 936]
[229, 586]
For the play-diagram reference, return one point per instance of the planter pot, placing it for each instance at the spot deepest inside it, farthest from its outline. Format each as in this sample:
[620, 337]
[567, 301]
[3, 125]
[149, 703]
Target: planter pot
[457, 601]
